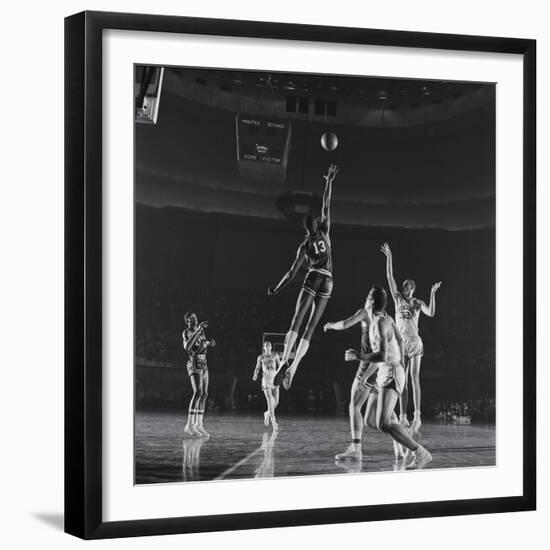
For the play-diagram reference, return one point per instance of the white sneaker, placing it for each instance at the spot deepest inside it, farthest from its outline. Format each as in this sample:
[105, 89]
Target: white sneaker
[351, 453]
[289, 377]
[202, 431]
[421, 457]
[191, 431]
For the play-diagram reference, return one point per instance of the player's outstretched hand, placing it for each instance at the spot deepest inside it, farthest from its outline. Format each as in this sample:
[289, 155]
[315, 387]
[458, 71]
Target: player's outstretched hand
[436, 286]
[254, 378]
[385, 248]
[271, 291]
[327, 326]
[351, 355]
[212, 343]
[332, 171]
[203, 324]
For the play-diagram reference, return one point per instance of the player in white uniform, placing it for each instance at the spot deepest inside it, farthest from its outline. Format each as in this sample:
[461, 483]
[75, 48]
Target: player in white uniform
[407, 313]
[270, 365]
[196, 346]
[386, 360]
[362, 386]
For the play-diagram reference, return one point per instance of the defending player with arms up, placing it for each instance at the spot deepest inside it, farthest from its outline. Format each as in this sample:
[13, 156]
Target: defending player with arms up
[407, 313]
[269, 364]
[196, 345]
[386, 360]
[315, 252]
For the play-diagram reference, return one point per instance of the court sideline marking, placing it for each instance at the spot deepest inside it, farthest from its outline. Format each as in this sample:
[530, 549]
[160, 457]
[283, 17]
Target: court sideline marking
[238, 464]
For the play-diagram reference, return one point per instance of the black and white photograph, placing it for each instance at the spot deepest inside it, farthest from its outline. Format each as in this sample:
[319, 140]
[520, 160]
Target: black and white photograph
[314, 274]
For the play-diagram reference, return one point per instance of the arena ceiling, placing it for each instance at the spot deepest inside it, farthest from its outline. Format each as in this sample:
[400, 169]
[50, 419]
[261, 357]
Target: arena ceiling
[411, 153]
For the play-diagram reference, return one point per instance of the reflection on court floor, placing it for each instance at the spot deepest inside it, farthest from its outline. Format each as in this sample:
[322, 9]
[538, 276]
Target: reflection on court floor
[241, 447]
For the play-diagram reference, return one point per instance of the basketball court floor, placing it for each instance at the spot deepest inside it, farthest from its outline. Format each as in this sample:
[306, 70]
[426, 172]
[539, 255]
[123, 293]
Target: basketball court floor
[241, 447]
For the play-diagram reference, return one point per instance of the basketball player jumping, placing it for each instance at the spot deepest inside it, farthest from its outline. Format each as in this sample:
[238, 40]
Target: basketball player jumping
[196, 345]
[315, 251]
[269, 364]
[386, 360]
[407, 312]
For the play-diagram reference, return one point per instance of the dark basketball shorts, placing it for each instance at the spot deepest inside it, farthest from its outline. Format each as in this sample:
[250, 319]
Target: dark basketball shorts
[318, 283]
[197, 365]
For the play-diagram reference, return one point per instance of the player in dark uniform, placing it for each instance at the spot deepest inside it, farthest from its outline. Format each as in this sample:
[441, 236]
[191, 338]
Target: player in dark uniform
[315, 252]
[196, 345]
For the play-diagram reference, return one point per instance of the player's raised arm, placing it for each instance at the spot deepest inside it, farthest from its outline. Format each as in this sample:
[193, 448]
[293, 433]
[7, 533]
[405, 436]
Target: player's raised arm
[386, 250]
[257, 369]
[357, 317]
[430, 309]
[327, 195]
[291, 273]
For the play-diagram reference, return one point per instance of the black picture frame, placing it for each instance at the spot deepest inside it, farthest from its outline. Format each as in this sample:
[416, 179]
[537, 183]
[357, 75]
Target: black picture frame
[83, 273]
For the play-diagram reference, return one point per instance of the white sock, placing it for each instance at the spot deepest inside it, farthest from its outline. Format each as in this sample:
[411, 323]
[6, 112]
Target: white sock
[303, 346]
[290, 339]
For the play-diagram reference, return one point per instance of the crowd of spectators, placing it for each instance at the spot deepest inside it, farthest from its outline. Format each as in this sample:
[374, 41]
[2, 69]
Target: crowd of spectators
[174, 276]
[464, 412]
[238, 320]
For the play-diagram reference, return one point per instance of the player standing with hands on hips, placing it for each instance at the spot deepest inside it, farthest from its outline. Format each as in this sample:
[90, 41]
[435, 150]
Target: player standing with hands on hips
[315, 252]
[407, 313]
[196, 345]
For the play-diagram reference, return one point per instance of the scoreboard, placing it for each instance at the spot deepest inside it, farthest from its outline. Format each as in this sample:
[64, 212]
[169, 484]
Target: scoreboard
[262, 147]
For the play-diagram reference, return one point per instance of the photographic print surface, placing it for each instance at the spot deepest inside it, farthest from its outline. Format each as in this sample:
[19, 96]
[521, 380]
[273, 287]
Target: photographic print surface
[314, 274]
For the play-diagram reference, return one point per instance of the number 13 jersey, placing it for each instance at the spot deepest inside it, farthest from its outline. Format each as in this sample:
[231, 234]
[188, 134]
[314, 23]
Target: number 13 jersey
[318, 252]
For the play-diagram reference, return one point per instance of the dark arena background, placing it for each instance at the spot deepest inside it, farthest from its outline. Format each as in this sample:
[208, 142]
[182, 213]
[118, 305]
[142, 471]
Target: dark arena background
[227, 164]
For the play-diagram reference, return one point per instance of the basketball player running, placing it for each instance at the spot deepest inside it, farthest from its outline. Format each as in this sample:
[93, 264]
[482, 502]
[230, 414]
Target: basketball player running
[196, 345]
[315, 251]
[269, 364]
[407, 313]
[386, 360]
[361, 387]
